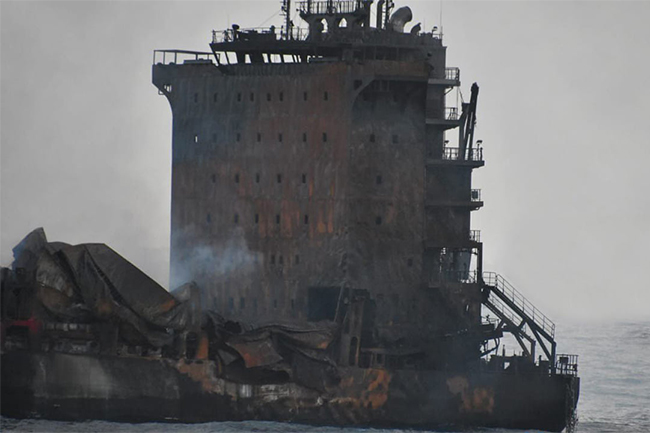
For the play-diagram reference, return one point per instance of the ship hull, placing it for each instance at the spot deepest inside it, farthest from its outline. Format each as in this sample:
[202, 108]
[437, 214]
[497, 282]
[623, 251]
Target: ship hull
[134, 389]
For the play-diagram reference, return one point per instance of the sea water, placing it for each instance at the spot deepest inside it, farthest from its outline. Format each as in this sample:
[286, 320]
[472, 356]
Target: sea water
[614, 367]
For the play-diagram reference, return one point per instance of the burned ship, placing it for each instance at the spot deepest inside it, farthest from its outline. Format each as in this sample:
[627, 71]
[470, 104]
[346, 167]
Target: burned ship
[321, 203]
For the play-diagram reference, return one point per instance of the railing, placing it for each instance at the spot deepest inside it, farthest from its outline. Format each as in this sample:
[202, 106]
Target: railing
[501, 308]
[476, 195]
[329, 7]
[566, 364]
[451, 113]
[452, 74]
[497, 281]
[475, 235]
[259, 34]
[463, 277]
[452, 153]
[168, 57]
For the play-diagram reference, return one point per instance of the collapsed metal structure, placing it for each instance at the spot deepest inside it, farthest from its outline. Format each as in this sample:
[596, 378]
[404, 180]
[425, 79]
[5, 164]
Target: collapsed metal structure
[315, 194]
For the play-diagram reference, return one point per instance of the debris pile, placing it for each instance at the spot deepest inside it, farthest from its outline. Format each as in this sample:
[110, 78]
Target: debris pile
[114, 308]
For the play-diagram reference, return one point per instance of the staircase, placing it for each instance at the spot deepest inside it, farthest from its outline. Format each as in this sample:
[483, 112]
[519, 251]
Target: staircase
[518, 316]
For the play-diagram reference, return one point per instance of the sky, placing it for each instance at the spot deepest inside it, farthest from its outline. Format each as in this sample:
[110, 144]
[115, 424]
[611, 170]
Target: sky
[563, 114]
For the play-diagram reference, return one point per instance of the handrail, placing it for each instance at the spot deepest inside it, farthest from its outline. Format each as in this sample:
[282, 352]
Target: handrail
[259, 34]
[462, 277]
[328, 7]
[167, 57]
[452, 73]
[495, 303]
[452, 154]
[566, 364]
[451, 113]
[497, 281]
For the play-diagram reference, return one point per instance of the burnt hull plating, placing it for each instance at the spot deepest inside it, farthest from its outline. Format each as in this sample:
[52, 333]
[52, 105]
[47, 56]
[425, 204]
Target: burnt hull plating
[131, 389]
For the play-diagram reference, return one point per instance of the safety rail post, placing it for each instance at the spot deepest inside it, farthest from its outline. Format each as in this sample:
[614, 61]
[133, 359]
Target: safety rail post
[451, 113]
[452, 73]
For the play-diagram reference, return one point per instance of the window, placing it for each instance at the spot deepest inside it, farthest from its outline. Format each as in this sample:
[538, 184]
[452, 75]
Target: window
[214, 178]
[304, 96]
[268, 97]
[325, 96]
[324, 137]
[293, 305]
[281, 97]
[275, 303]
[242, 303]
[257, 178]
[280, 137]
[257, 218]
[409, 263]
[322, 303]
[209, 218]
[237, 178]
[214, 137]
[279, 178]
[273, 259]
[238, 97]
[259, 137]
[252, 97]
[297, 259]
[196, 138]
[231, 303]
[304, 178]
[378, 180]
[395, 139]
[215, 97]
[306, 219]
[280, 260]
[378, 220]
[277, 219]
[239, 136]
[196, 97]
[236, 219]
[304, 137]
[372, 138]
[255, 304]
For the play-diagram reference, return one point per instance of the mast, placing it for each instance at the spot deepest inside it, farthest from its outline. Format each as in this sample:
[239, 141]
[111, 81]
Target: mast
[286, 8]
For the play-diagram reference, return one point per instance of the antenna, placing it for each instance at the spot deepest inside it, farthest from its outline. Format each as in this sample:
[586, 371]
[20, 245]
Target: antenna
[286, 9]
[441, 20]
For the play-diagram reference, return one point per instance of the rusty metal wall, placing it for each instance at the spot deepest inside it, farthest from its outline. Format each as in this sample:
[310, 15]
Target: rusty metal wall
[315, 174]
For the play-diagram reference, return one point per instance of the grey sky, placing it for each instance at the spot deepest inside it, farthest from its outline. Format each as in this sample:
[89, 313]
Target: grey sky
[563, 113]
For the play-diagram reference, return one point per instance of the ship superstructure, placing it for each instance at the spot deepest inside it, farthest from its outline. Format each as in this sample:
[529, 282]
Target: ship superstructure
[321, 153]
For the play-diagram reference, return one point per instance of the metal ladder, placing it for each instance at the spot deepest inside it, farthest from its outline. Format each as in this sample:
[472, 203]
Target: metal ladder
[518, 316]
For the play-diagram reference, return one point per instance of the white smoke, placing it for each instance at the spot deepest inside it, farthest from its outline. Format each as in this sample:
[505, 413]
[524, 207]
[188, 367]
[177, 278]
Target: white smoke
[215, 261]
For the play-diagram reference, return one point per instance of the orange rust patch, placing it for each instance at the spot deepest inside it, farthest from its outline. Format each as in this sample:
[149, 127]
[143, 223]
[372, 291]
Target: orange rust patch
[481, 401]
[476, 400]
[377, 392]
[168, 305]
[203, 373]
[202, 351]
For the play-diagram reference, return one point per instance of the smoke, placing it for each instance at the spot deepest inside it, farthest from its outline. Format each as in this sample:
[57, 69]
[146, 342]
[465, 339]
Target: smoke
[202, 262]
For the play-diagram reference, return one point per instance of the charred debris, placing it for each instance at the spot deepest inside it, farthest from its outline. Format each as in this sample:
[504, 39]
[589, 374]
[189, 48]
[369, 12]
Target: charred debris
[87, 299]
